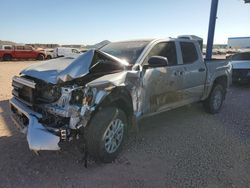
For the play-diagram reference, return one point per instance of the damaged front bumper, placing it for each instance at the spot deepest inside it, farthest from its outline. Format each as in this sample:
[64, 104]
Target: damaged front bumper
[38, 136]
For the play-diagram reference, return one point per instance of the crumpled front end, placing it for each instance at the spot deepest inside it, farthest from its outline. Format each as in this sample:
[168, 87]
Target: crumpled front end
[57, 121]
[38, 137]
[52, 111]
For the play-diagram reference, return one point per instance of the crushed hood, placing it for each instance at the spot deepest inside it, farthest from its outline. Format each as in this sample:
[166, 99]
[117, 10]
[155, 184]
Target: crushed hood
[61, 69]
[65, 68]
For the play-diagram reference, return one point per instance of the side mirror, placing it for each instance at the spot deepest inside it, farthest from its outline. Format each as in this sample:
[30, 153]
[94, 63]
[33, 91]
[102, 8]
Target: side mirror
[157, 61]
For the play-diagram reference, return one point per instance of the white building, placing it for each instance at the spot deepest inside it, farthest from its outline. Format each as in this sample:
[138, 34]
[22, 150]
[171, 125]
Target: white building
[238, 42]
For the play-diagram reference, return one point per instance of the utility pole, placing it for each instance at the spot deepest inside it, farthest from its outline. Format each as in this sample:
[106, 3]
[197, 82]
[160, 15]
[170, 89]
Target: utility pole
[211, 29]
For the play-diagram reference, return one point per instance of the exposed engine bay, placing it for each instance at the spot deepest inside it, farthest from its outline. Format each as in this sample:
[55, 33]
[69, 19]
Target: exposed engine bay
[74, 103]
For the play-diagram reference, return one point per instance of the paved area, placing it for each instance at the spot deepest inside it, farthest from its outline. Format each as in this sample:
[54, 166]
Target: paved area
[185, 147]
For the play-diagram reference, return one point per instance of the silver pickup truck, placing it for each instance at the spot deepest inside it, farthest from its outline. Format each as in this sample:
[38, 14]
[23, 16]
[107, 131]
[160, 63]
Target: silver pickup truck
[98, 96]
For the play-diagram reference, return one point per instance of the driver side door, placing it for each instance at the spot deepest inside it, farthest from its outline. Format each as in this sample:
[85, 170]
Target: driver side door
[162, 85]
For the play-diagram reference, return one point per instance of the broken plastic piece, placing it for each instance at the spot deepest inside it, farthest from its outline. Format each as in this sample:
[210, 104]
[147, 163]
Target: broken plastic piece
[39, 138]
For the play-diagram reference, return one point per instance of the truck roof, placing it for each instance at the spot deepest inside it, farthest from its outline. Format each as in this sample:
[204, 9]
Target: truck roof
[193, 38]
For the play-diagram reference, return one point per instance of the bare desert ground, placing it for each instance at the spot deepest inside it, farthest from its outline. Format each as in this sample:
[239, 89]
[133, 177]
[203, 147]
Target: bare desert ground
[182, 148]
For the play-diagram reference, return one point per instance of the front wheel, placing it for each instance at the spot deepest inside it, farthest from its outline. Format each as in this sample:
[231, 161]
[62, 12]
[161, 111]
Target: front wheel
[40, 57]
[7, 57]
[106, 134]
[49, 57]
[215, 99]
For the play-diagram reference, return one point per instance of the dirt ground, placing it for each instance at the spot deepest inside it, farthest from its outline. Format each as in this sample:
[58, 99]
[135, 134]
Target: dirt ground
[185, 147]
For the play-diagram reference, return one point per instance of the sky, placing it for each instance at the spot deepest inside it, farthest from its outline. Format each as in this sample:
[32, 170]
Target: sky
[89, 22]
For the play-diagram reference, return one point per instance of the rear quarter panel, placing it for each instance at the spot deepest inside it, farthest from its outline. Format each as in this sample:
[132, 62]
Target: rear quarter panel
[216, 69]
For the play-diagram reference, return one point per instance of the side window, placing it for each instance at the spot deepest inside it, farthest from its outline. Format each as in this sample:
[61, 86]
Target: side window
[236, 57]
[241, 56]
[19, 47]
[27, 48]
[165, 49]
[189, 53]
[7, 47]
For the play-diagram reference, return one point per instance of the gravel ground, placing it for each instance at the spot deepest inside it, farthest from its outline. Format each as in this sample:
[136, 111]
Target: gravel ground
[181, 148]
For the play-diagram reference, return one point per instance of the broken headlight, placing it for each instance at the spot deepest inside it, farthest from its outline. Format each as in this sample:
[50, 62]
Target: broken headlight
[49, 94]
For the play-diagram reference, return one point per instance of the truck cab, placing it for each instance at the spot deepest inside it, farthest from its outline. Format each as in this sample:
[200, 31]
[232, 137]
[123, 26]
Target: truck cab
[183, 77]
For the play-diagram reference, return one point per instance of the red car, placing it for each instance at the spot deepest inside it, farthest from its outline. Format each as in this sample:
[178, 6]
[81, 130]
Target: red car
[7, 53]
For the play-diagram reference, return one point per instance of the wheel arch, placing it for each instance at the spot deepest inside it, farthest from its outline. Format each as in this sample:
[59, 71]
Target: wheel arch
[223, 80]
[121, 98]
[220, 79]
[41, 54]
[49, 56]
[7, 54]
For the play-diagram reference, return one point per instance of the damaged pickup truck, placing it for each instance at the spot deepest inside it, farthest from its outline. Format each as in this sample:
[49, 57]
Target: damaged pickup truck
[101, 94]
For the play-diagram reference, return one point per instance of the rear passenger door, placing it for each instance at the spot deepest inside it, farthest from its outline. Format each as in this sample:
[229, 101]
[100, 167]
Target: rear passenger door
[28, 52]
[194, 71]
[162, 85]
[19, 52]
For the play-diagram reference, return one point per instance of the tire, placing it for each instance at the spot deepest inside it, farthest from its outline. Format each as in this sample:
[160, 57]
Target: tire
[7, 57]
[49, 57]
[215, 99]
[103, 144]
[40, 57]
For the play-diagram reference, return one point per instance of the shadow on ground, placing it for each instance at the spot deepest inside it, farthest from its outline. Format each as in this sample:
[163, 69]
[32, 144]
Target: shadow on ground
[7, 126]
[182, 148]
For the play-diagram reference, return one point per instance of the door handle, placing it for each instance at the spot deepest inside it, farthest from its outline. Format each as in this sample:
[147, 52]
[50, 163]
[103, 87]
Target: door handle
[179, 73]
[201, 69]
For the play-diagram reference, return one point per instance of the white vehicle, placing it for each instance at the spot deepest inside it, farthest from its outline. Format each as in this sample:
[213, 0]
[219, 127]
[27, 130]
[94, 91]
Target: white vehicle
[241, 67]
[65, 52]
[49, 53]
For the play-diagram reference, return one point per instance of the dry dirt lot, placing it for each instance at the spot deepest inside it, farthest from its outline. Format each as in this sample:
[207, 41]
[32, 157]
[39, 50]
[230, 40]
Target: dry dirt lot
[182, 148]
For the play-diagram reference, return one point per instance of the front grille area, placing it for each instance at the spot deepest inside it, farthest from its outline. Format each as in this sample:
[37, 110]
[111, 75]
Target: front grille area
[23, 90]
[21, 120]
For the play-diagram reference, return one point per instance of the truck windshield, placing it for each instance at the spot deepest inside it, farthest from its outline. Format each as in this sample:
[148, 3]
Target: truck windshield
[128, 51]
[244, 56]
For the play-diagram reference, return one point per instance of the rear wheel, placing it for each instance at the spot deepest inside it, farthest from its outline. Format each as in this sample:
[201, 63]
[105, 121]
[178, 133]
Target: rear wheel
[215, 100]
[106, 134]
[40, 57]
[7, 57]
